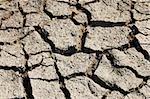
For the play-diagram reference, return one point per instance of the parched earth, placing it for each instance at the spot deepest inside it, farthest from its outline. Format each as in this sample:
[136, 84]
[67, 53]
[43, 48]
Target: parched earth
[74, 49]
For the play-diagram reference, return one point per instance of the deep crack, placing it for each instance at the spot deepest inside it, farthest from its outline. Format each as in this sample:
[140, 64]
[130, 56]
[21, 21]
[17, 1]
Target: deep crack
[70, 51]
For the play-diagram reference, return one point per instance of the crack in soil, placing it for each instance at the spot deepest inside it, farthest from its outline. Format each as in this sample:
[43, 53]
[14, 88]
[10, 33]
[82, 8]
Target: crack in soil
[71, 50]
[44, 35]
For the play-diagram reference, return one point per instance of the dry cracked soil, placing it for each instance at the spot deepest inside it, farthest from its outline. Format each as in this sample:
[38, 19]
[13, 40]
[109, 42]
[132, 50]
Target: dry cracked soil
[74, 49]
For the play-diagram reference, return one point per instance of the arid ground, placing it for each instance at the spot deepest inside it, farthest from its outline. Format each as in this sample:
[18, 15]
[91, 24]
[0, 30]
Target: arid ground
[74, 49]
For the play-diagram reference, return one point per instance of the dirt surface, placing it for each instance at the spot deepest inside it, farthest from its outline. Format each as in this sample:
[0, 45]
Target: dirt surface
[74, 49]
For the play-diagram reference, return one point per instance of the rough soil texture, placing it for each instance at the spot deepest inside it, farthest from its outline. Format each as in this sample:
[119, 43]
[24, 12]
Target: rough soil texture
[74, 49]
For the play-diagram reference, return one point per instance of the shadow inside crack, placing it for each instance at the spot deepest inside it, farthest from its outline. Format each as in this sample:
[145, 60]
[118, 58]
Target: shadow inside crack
[44, 35]
[47, 80]
[66, 92]
[25, 77]
[14, 68]
[79, 7]
[70, 51]
[90, 2]
[84, 10]
[67, 52]
[112, 87]
[27, 87]
[106, 24]
[112, 60]
[83, 39]
[89, 50]
[2, 43]
[51, 16]
[134, 42]
[18, 98]
[145, 78]
[74, 75]
[62, 82]
[75, 21]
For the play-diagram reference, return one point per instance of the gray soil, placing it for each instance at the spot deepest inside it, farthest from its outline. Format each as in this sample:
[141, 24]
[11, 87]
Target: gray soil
[74, 49]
